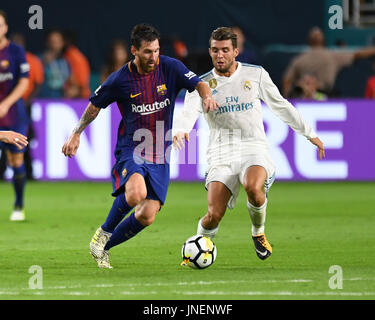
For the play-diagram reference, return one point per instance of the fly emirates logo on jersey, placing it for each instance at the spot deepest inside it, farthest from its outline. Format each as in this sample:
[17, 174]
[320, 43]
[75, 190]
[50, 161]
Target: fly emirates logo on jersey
[145, 109]
[232, 104]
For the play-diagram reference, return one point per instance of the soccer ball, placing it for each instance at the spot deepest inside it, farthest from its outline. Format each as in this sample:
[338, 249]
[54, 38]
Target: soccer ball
[198, 252]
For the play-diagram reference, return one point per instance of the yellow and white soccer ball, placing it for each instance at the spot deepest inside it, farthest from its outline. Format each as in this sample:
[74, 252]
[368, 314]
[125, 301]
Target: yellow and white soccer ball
[198, 252]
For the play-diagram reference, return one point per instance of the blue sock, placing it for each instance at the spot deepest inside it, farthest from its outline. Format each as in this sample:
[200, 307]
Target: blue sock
[124, 231]
[19, 181]
[119, 210]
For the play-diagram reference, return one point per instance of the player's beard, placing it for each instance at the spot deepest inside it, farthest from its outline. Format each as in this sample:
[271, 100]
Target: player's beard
[225, 68]
[145, 66]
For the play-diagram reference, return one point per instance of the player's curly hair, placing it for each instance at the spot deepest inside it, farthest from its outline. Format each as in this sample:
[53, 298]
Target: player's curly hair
[224, 33]
[143, 32]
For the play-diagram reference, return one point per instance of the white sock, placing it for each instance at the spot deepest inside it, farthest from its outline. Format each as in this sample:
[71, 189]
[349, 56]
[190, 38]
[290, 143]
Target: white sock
[209, 233]
[258, 217]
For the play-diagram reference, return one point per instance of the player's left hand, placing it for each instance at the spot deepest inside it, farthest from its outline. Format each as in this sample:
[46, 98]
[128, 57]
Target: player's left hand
[11, 137]
[209, 104]
[71, 145]
[178, 139]
[317, 142]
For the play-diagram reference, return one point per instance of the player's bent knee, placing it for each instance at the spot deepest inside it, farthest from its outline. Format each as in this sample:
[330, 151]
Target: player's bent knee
[256, 195]
[146, 212]
[15, 160]
[146, 221]
[250, 186]
[135, 196]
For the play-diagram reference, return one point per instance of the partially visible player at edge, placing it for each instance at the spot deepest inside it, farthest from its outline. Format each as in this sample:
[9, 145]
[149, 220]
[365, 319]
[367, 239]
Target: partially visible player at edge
[14, 74]
[11, 137]
[238, 152]
[145, 90]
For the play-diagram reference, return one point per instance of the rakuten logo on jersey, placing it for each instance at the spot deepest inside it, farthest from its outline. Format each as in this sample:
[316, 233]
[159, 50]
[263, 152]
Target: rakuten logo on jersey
[145, 109]
[6, 76]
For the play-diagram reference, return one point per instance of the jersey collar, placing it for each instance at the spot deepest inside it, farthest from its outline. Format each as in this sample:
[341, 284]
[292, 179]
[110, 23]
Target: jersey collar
[216, 75]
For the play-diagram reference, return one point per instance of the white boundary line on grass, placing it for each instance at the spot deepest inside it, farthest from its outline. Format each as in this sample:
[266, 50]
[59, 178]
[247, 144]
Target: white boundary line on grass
[44, 291]
[166, 284]
[206, 293]
[274, 293]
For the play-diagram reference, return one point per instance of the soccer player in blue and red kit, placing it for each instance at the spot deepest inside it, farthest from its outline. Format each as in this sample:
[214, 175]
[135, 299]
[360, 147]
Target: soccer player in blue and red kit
[14, 73]
[145, 90]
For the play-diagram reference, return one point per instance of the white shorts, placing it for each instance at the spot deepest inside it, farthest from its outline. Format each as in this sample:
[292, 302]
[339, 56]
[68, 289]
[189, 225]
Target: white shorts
[232, 174]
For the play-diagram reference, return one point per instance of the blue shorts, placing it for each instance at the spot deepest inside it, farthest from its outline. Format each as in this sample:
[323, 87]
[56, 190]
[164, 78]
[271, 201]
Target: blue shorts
[11, 147]
[156, 177]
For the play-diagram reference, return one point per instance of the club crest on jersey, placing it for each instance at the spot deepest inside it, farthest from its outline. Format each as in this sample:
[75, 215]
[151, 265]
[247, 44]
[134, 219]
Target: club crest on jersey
[4, 64]
[247, 85]
[212, 83]
[162, 89]
[124, 172]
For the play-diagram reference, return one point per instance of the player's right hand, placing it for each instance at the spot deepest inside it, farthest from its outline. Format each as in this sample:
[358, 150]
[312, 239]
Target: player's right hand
[178, 139]
[209, 104]
[71, 145]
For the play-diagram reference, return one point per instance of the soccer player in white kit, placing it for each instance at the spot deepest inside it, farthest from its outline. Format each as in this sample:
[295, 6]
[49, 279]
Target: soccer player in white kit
[238, 152]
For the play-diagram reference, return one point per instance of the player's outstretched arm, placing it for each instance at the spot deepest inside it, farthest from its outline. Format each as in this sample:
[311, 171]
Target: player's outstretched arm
[284, 110]
[15, 138]
[184, 121]
[71, 145]
[209, 104]
[317, 142]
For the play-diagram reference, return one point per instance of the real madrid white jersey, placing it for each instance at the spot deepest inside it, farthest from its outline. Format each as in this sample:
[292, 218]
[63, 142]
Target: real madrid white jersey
[236, 127]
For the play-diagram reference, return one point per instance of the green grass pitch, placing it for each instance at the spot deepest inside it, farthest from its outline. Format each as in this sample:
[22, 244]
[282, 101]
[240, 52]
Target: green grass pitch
[311, 226]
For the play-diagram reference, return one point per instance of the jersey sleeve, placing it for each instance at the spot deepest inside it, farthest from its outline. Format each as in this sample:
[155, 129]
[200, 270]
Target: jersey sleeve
[185, 120]
[185, 78]
[282, 108]
[106, 93]
[24, 66]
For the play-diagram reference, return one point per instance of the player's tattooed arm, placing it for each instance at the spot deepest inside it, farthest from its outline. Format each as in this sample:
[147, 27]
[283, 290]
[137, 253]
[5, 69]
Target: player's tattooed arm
[88, 116]
[71, 145]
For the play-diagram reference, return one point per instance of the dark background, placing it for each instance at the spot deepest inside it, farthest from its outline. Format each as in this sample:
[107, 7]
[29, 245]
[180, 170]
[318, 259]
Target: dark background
[266, 24]
[96, 23]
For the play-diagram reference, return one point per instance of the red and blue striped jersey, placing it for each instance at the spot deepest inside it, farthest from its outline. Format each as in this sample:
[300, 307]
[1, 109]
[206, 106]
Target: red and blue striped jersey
[146, 103]
[13, 66]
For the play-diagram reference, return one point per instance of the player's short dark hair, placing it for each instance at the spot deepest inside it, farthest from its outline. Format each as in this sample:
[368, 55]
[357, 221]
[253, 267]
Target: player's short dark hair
[143, 32]
[4, 15]
[224, 33]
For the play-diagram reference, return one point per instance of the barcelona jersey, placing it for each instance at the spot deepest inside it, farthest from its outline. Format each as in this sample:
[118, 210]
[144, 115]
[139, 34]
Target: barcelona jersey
[146, 103]
[13, 66]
